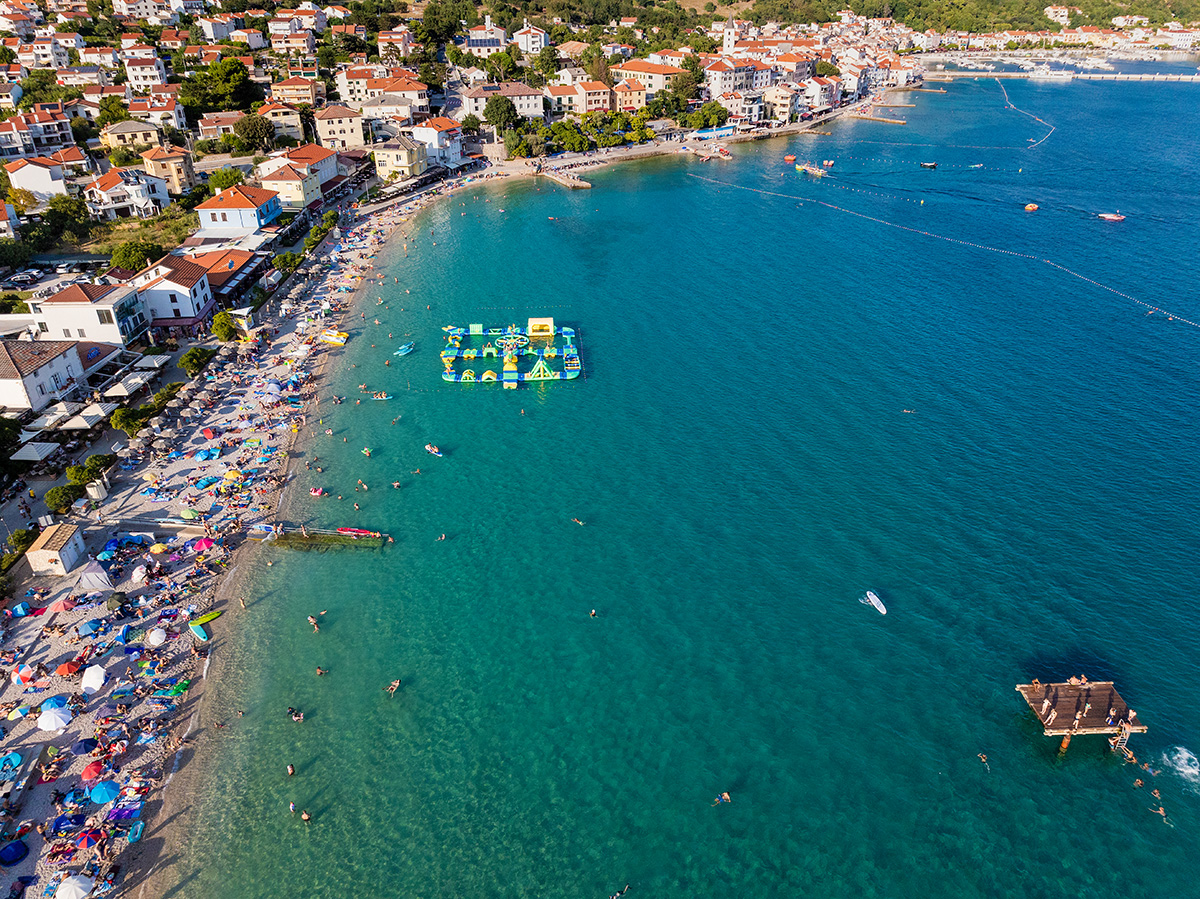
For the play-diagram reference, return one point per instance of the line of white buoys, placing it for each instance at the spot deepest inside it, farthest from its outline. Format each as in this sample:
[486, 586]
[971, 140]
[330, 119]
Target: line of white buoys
[956, 240]
[1011, 105]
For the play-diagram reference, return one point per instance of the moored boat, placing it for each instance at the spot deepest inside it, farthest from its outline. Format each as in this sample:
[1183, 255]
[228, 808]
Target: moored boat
[1112, 216]
[929, 165]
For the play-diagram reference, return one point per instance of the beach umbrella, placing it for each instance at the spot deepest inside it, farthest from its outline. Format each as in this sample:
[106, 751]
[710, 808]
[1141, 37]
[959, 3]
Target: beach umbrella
[83, 747]
[22, 674]
[174, 404]
[156, 637]
[105, 791]
[149, 476]
[202, 544]
[19, 712]
[88, 627]
[232, 475]
[67, 669]
[158, 548]
[112, 544]
[54, 719]
[75, 887]
[162, 444]
[139, 574]
[146, 432]
[89, 838]
[66, 605]
[93, 679]
[93, 770]
[54, 702]
[189, 514]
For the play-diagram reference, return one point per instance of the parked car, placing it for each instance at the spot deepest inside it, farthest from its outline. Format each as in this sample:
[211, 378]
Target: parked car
[23, 279]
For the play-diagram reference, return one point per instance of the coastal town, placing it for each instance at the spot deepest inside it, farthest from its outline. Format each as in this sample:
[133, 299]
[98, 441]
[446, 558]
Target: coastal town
[194, 193]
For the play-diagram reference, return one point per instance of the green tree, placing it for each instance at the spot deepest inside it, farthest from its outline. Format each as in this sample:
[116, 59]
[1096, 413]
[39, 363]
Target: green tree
[112, 109]
[69, 214]
[826, 69]
[60, 498]
[7, 56]
[194, 360]
[288, 262]
[470, 123]
[83, 131]
[440, 20]
[22, 200]
[255, 130]
[135, 255]
[223, 327]
[501, 113]
[230, 86]
[224, 178]
[14, 254]
[12, 304]
[546, 61]
[119, 157]
[41, 86]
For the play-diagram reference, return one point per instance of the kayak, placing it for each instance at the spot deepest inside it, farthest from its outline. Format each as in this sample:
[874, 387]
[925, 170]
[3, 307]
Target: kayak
[357, 532]
[404, 350]
[388, 397]
[433, 450]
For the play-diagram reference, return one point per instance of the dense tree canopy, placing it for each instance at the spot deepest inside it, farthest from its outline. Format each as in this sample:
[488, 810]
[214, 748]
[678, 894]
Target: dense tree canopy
[225, 178]
[501, 113]
[133, 255]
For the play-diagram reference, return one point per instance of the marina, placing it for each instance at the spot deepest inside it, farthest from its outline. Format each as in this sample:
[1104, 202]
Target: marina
[509, 347]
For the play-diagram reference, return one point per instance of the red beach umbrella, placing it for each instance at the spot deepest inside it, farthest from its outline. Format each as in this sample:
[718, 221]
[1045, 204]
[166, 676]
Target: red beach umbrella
[94, 770]
[22, 674]
[66, 669]
[89, 838]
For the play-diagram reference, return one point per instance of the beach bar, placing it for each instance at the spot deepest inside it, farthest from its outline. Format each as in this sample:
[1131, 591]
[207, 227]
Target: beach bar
[1080, 706]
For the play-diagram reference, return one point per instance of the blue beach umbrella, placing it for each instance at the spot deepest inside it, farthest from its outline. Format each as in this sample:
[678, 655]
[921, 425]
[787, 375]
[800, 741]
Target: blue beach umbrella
[55, 702]
[83, 747]
[106, 555]
[105, 791]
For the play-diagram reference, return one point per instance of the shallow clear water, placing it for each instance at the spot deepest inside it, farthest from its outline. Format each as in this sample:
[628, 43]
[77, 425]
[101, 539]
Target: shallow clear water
[740, 455]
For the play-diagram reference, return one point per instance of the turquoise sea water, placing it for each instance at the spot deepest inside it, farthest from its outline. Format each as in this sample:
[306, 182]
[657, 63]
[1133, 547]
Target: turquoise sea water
[739, 452]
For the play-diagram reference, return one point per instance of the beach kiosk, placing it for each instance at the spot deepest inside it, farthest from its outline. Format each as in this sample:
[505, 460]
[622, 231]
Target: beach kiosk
[243, 320]
[57, 550]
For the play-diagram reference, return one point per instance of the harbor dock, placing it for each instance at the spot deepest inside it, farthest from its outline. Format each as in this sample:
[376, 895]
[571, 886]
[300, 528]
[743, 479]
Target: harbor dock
[1081, 707]
[566, 180]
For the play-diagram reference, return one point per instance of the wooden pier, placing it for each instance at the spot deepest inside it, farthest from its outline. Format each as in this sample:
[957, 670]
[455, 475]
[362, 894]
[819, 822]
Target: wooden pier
[572, 181]
[1081, 707]
[876, 118]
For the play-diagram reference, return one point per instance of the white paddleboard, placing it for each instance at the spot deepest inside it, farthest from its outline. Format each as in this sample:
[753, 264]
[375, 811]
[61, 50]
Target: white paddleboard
[872, 600]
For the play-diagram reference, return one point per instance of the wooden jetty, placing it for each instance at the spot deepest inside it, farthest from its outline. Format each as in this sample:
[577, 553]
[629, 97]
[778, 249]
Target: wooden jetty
[1080, 706]
[318, 539]
[566, 180]
[876, 118]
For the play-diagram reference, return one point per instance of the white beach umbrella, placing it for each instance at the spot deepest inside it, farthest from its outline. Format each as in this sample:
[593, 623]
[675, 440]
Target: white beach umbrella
[93, 679]
[54, 719]
[156, 637]
[75, 887]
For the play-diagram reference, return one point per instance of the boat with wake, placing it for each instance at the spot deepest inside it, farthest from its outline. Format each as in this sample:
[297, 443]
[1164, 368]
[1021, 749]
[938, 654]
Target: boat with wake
[1112, 216]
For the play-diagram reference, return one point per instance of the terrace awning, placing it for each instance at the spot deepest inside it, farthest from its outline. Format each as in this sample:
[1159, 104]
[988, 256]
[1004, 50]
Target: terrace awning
[89, 417]
[35, 452]
[152, 361]
[129, 385]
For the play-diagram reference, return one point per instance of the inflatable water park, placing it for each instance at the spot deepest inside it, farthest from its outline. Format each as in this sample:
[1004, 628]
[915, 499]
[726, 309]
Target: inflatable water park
[519, 354]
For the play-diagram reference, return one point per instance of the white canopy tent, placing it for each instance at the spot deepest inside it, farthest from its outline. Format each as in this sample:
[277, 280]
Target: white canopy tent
[129, 385]
[52, 415]
[152, 362]
[93, 577]
[89, 417]
[35, 452]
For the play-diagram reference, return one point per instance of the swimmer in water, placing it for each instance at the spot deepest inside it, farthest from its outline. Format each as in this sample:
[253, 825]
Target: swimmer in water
[440, 539]
[724, 797]
[577, 521]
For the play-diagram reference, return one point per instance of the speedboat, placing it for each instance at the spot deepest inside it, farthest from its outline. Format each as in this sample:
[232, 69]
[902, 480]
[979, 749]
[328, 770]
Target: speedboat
[433, 450]
[1112, 216]
[929, 165]
[404, 350]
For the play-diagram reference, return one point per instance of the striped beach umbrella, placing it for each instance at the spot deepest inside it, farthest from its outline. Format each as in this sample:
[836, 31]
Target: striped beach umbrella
[89, 838]
[22, 674]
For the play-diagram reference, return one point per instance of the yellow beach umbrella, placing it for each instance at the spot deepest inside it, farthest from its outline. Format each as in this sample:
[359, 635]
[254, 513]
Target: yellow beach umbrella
[158, 548]
[232, 475]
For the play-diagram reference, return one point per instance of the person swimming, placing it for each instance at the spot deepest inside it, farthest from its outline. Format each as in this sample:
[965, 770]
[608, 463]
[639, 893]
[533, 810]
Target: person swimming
[724, 797]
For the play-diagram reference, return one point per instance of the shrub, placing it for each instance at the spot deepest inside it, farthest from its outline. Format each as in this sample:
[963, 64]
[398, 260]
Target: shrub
[60, 498]
[77, 474]
[22, 539]
[98, 463]
[223, 327]
[194, 360]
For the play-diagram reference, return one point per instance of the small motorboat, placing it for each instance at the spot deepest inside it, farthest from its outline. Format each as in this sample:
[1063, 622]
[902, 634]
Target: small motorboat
[1112, 216]
[404, 350]
[929, 165]
[1031, 207]
[789, 158]
[433, 450]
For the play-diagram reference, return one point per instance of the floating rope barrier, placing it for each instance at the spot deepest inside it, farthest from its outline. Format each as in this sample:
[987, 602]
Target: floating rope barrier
[1012, 105]
[955, 240]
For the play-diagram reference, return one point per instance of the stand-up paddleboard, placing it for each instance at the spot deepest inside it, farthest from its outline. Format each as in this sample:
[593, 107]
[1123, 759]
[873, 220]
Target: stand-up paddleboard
[206, 617]
[198, 632]
[872, 600]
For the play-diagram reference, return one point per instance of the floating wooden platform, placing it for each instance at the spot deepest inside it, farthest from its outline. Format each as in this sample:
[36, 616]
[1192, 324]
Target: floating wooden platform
[875, 118]
[318, 539]
[1070, 709]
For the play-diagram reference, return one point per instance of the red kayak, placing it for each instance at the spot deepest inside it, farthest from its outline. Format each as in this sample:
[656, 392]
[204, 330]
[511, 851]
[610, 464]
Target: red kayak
[357, 532]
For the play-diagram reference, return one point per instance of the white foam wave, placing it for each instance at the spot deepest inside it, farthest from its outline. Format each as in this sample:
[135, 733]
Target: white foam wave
[1182, 762]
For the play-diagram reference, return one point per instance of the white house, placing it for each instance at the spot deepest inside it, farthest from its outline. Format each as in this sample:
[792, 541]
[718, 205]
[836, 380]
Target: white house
[34, 372]
[238, 211]
[41, 176]
[143, 73]
[531, 39]
[107, 313]
[159, 111]
[307, 158]
[442, 138]
[126, 193]
[528, 100]
[486, 39]
[250, 37]
[176, 294]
